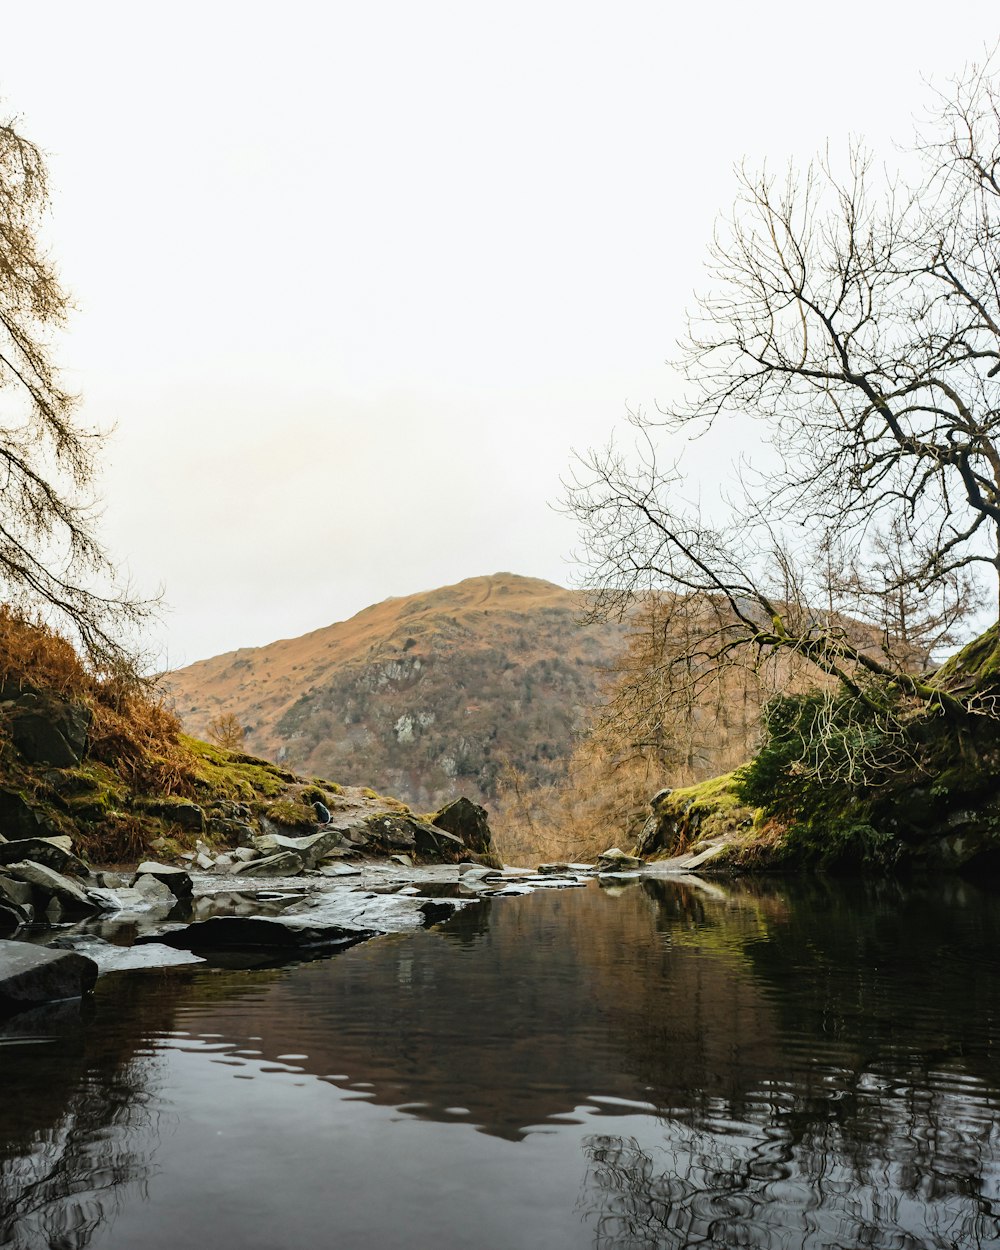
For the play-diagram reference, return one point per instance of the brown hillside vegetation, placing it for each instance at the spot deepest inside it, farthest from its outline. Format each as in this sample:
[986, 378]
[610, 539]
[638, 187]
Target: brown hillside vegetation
[424, 696]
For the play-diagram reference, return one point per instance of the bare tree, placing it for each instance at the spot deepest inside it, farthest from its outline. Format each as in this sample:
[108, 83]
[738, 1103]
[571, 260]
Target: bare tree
[50, 557]
[856, 321]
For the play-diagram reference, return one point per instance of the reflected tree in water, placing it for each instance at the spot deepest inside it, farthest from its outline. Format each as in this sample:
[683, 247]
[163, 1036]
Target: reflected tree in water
[75, 1176]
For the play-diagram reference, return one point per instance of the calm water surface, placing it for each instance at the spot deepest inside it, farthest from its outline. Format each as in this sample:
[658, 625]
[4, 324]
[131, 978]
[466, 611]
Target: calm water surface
[657, 1065]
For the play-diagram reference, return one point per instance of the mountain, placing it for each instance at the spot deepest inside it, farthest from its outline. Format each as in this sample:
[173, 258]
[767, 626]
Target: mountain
[423, 696]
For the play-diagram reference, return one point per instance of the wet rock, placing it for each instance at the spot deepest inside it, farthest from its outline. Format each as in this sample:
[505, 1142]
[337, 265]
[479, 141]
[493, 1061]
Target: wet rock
[49, 730]
[34, 974]
[257, 932]
[111, 958]
[128, 899]
[469, 873]
[468, 821]
[283, 864]
[55, 852]
[176, 880]
[50, 884]
[615, 858]
[555, 869]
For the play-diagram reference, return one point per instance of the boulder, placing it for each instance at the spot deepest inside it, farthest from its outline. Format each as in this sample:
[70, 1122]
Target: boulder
[48, 884]
[433, 843]
[49, 730]
[176, 880]
[468, 821]
[394, 833]
[34, 974]
[154, 890]
[553, 869]
[55, 852]
[311, 848]
[283, 864]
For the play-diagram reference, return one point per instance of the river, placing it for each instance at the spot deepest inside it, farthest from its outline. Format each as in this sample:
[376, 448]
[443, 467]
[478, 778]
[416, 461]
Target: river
[658, 1064]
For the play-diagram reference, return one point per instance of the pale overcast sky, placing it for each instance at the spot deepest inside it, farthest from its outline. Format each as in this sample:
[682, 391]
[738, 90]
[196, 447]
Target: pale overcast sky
[353, 278]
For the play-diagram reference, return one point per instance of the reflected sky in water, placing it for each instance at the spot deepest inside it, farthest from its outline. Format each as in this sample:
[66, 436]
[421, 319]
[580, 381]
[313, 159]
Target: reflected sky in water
[664, 1065]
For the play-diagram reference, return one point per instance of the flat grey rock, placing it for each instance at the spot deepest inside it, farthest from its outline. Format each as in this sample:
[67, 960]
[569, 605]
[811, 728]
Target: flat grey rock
[35, 974]
[111, 958]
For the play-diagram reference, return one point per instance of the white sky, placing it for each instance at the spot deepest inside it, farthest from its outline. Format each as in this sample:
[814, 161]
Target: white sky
[353, 278]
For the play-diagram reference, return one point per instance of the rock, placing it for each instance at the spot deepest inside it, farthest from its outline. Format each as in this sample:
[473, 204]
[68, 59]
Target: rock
[16, 892]
[14, 917]
[659, 796]
[111, 958]
[179, 812]
[322, 812]
[112, 880]
[468, 821]
[256, 932]
[310, 848]
[34, 974]
[49, 730]
[434, 843]
[128, 899]
[154, 890]
[54, 853]
[476, 872]
[339, 870]
[51, 884]
[283, 864]
[246, 853]
[405, 860]
[553, 869]
[392, 832]
[175, 879]
[615, 858]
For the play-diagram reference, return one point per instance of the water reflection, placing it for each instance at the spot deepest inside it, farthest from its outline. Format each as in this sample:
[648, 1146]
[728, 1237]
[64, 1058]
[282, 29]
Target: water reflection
[809, 1065]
